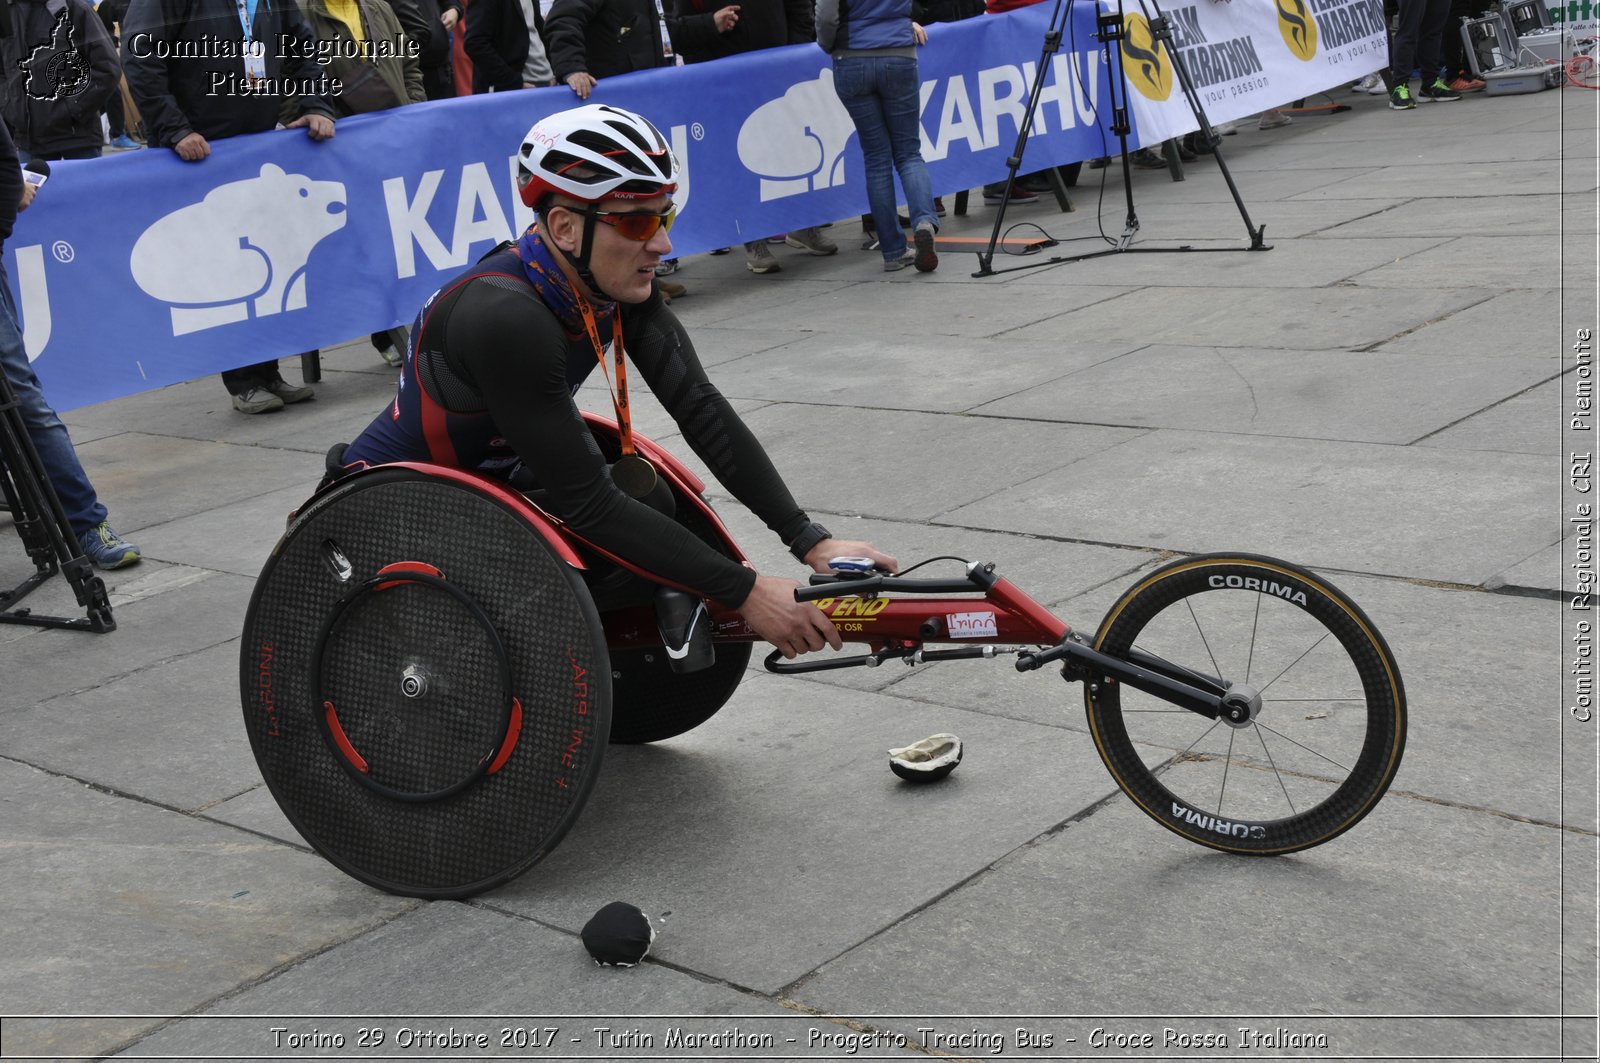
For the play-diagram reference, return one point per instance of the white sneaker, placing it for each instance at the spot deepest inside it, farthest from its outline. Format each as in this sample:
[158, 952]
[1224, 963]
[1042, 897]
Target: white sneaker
[1372, 84]
[758, 259]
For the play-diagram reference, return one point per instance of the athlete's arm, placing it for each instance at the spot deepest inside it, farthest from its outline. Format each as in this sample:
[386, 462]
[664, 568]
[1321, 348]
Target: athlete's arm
[662, 350]
[514, 352]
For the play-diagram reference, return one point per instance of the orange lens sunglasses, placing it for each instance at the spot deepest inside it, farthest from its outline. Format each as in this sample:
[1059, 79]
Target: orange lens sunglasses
[637, 225]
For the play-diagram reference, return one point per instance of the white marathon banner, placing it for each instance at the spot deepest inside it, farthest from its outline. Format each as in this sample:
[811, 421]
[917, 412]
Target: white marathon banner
[1244, 56]
[139, 270]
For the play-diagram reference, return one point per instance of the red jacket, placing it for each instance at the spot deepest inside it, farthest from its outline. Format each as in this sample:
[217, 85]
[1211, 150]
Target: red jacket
[995, 7]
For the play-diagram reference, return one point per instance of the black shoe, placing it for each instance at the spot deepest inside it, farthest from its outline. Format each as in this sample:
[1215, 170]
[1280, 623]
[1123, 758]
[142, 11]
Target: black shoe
[685, 628]
[927, 259]
[1438, 92]
[1148, 159]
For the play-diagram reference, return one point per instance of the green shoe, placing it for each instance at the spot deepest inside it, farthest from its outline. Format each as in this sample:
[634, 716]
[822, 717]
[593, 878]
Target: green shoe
[1437, 91]
[1400, 99]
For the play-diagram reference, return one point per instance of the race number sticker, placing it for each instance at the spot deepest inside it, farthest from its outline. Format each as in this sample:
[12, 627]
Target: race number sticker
[971, 625]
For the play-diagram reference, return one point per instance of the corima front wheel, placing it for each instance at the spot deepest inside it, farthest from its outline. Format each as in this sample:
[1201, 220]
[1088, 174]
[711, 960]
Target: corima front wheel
[1315, 756]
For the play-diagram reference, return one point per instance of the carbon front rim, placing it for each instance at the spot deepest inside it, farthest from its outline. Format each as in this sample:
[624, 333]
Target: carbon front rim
[1331, 727]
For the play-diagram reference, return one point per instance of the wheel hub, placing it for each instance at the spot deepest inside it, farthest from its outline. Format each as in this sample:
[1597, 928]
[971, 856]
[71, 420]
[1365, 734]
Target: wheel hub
[1240, 705]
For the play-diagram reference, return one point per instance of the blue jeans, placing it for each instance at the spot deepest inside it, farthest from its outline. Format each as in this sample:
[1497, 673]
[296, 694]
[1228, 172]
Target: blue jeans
[881, 94]
[49, 435]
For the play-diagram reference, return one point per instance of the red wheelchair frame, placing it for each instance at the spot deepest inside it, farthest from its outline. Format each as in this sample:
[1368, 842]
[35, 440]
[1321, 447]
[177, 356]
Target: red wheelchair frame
[1146, 676]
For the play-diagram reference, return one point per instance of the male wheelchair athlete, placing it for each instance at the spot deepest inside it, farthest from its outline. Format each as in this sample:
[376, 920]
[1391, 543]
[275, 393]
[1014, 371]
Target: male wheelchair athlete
[429, 689]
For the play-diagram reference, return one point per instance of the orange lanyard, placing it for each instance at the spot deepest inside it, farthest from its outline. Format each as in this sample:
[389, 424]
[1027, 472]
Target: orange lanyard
[619, 394]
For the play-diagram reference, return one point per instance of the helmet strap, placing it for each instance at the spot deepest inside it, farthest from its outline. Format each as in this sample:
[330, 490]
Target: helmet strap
[580, 261]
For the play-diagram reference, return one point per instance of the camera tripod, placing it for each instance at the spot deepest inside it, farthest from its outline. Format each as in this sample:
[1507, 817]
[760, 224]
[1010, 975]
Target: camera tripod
[42, 525]
[1111, 31]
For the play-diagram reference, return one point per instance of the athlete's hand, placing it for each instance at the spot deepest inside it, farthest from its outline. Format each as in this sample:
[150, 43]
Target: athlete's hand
[819, 556]
[317, 126]
[449, 18]
[793, 627]
[192, 148]
[919, 34]
[28, 192]
[726, 18]
[581, 83]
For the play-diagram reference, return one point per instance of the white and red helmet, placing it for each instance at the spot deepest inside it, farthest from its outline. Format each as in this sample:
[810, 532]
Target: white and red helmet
[593, 152]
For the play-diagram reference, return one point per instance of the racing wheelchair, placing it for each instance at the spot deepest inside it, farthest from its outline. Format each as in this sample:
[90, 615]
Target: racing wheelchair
[429, 689]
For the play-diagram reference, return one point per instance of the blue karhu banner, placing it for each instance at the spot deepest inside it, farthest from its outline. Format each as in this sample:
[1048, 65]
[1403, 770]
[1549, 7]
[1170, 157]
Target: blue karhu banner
[140, 270]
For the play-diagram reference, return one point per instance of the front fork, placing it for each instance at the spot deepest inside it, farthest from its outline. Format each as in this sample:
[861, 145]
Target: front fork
[1235, 704]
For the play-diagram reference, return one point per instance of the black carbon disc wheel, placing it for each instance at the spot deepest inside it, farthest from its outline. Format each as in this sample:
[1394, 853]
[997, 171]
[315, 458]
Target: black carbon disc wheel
[650, 702]
[425, 684]
[1331, 727]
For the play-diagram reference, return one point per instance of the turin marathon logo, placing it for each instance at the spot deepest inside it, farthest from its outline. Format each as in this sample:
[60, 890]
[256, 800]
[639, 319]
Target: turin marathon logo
[1143, 61]
[1298, 27]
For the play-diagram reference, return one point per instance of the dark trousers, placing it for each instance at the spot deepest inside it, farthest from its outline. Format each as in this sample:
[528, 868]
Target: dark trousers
[238, 381]
[438, 82]
[57, 156]
[1418, 36]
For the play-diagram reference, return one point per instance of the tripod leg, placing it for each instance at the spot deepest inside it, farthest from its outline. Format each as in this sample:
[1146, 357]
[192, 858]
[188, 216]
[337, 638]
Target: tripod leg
[1162, 32]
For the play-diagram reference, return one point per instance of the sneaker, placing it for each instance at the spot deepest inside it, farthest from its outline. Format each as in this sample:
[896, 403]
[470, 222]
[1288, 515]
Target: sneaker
[895, 265]
[1400, 99]
[780, 238]
[758, 258]
[812, 240]
[1438, 91]
[256, 400]
[925, 258]
[289, 392]
[869, 241]
[666, 267]
[125, 143]
[1273, 120]
[718, 251]
[1368, 84]
[996, 194]
[671, 290]
[1148, 159]
[102, 545]
[938, 206]
[1466, 84]
[1185, 152]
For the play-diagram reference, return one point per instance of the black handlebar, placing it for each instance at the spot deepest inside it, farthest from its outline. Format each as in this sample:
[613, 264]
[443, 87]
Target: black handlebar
[979, 577]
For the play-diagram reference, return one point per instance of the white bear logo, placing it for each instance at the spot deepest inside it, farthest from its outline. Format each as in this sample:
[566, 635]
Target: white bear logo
[796, 142]
[247, 240]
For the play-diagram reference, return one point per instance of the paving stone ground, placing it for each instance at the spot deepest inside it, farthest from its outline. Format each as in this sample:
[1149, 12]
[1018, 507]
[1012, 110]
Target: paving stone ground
[1382, 396]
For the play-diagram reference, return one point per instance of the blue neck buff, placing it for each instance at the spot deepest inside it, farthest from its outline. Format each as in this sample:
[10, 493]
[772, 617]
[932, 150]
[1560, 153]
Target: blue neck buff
[552, 285]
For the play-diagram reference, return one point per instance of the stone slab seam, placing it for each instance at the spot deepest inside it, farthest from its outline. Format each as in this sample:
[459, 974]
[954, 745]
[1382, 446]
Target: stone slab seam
[1360, 217]
[1074, 310]
[1460, 806]
[789, 991]
[118, 677]
[261, 979]
[1372, 347]
[1492, 405]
